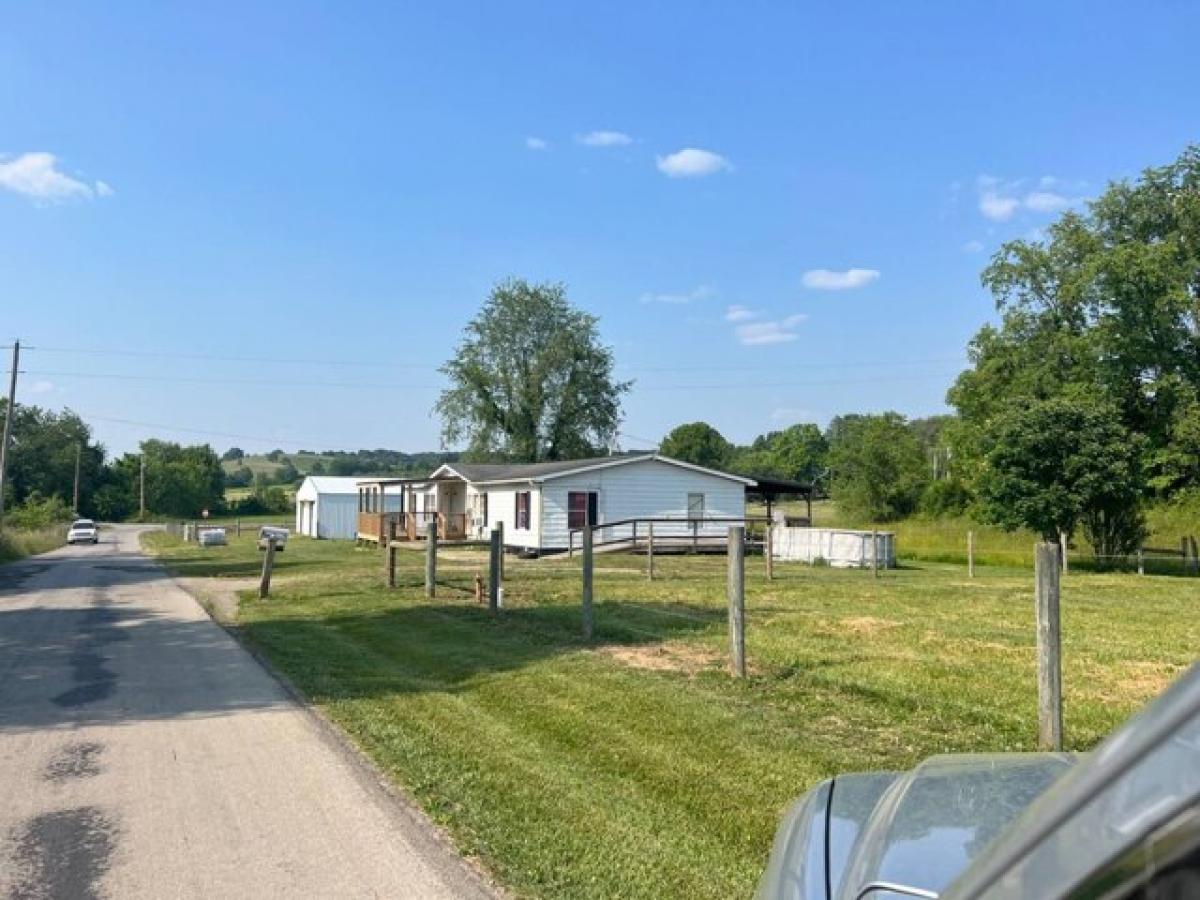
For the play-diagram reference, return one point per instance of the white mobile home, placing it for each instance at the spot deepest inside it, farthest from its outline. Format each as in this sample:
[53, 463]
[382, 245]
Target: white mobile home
[541, 504]
[327, 506]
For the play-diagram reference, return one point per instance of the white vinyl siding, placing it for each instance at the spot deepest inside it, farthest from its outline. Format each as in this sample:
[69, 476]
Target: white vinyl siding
[327, 507]
[639, 490]
[502, 507]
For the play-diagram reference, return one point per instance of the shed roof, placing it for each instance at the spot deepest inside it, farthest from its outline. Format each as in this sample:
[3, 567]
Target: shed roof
[335, 484]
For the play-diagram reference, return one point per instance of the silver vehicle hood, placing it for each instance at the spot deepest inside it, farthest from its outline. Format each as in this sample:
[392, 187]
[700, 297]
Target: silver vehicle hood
[919, 829]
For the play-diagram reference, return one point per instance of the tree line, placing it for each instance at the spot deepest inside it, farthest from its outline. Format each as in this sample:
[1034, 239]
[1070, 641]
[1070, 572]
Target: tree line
[41, 484]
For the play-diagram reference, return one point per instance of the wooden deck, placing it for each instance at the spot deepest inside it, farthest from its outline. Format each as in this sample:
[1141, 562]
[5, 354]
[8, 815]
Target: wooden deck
[376, 527]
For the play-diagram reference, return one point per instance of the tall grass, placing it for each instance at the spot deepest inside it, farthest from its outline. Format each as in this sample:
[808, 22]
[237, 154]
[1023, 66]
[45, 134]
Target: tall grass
[16, 543]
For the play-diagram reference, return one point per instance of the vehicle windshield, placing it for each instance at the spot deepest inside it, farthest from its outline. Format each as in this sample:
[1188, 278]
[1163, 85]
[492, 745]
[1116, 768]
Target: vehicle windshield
[83, 523]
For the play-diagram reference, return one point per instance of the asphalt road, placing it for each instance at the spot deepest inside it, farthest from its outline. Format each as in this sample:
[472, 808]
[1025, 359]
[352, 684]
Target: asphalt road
[145, 753]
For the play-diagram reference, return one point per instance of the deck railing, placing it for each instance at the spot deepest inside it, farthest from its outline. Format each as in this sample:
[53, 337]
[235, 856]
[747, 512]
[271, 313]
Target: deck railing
[411, 526]
[668, 530]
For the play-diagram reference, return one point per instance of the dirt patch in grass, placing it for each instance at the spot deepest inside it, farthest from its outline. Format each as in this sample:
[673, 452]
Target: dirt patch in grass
[867, 624]
[665, 657]
[1136, 680]
[218, 595]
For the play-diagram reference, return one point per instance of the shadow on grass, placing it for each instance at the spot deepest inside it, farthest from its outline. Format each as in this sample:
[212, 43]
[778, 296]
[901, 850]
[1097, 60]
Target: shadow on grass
[445, 646]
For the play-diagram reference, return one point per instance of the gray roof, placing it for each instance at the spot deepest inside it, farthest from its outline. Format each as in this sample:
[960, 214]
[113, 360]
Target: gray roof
[520, 471]
[489, 473]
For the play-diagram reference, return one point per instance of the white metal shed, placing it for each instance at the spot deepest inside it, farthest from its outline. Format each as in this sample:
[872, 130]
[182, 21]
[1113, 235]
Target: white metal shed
[327, 506]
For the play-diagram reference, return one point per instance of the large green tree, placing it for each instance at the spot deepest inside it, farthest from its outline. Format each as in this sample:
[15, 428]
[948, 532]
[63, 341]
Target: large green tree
[698, 443]
[180, 480]
[1107, 306]
[797, 453]
[878, 467]
[1053, 465]
[531, 379]
[41, 457]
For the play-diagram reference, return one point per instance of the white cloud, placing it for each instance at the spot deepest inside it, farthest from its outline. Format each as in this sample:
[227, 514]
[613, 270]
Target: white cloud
[753, 334]
[1000, 200]
[739, 313]
[829, 280]
[41, 387]
[700, 293]
[972, 246]
[604, 139]
[536, 143]
[692, 162]
[36, 175]
[996, 207]
[1046, 201]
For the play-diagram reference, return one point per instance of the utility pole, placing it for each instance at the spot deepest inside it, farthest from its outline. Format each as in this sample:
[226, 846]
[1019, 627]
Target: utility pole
[142, 487]
[8, 418]
[75, 493]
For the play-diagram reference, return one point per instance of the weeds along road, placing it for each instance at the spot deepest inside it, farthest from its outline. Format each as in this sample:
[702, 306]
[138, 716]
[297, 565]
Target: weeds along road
[145, 753]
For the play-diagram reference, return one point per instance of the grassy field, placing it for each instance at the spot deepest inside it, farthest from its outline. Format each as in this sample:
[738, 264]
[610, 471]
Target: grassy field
[635, 766]
[259, 464]
[945, 540]
[19, 543]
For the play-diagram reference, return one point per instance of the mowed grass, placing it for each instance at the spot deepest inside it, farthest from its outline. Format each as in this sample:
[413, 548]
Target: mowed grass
[635, 766]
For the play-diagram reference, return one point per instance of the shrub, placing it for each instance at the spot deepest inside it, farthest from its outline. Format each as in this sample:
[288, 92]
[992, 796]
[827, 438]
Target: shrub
[948, 497]
[39, 512]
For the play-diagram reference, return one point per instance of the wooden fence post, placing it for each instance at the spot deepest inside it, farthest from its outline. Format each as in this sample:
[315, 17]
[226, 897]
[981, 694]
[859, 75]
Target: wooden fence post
[264, 586]
[1062, 539]
[1141, 561]
[1195, 555]
[970, 554]
[768, 551]
[495, 572]
[587, 582]
[650, 550]
[1049, 647]
[391, 556]
[570, 544]
[736, 595]
[500, 528]
[431, 542]
[237, 524]
[875, 553]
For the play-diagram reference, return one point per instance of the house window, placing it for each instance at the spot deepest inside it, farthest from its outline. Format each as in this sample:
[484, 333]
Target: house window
[483, 507]
[581, 509]
[523, 498]
[695, 507]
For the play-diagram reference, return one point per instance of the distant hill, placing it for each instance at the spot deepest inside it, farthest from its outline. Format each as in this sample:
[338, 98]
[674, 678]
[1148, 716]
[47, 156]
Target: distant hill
[340, 462]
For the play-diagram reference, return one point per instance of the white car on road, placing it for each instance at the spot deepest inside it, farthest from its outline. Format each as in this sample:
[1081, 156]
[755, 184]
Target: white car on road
[83, 531]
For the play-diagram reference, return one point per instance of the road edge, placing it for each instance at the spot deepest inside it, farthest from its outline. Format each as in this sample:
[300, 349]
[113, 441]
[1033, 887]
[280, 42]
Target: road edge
[393, 796]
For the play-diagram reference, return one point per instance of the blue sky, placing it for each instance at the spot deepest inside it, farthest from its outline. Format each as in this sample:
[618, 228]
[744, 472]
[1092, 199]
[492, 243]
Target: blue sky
[778, 211]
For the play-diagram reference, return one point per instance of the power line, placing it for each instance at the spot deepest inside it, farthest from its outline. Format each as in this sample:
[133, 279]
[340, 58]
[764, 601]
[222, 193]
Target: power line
[634, 437]
[166, 354]
[204, 432]
[261, 382]
[269, 360]
[267, 382]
